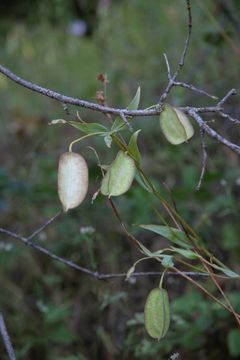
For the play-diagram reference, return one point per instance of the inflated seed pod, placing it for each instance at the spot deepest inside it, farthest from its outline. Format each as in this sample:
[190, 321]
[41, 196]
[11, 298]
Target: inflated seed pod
[175, 125]
[72, 180]
[157, 313]
[119, 176]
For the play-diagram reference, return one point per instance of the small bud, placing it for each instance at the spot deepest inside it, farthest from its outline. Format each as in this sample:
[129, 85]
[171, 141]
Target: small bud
[175, 125]
[72, 180]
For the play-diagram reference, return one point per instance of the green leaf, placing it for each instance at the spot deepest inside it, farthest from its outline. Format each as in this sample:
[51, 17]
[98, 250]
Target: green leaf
[226, 271]
[119, 124]
[176, 236]
[133, 147]
[135, 101]
[89, 128]
[167, 261]
[189, 254]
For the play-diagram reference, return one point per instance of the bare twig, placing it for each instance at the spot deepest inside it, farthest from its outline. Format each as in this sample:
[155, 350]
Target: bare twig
[183, 84]
[212, 275]
[47, 223]
[229, 117]
[124, 118]
[108, 110]
[204, 158]
[194, 88]
[95, 274]
[204, 290]
[168, 66]
[182, 58]
[212, 132]
[6, 339]
[230, 93]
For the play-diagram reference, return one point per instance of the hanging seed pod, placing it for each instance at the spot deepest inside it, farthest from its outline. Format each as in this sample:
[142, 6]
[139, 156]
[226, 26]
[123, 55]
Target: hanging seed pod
[157, 313]
[72, 180]
[175, 125]
[119, 176]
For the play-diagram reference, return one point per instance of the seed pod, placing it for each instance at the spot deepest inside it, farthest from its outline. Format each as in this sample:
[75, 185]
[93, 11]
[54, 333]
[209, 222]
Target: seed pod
[175, 125]
[157, 313]
[72, 180]
[119, 176]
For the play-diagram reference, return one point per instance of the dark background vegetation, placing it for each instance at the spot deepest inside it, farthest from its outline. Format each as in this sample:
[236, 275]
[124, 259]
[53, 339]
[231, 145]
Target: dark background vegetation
[54, 312]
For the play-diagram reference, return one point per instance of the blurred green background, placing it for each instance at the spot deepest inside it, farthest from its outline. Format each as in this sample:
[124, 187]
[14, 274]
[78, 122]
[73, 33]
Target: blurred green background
[54, 312]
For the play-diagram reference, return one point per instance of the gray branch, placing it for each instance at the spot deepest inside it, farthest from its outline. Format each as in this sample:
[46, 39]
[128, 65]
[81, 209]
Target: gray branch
[6, 339]
[95, 274]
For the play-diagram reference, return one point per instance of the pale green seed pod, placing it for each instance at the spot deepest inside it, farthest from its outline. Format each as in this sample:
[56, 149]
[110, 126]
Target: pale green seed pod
[119, 176]
[175, 125]
[72, 180]
[157, 313]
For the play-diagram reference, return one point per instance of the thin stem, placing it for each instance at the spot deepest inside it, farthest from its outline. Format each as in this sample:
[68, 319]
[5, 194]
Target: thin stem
[162, 277]
[82, 138]
[6, 339]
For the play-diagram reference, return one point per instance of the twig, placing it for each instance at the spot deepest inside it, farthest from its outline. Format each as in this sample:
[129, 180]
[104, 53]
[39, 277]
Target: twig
[47, 223]
[230, 93]
[168, 67]
[183, 84]
[204, 158]
[108, 110]
[212, 275]
[93, 106]
[194, 88]
[203, 289]
[182, 58]
[229, 117]
[6, 339]
[124, 118]
[212, 132]
[95, 274]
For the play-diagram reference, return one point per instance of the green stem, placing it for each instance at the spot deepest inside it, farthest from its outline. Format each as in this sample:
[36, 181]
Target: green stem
[82, 138]
[162, 277]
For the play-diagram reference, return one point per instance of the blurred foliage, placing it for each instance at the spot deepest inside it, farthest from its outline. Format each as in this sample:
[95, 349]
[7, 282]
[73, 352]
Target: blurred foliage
[54, 312]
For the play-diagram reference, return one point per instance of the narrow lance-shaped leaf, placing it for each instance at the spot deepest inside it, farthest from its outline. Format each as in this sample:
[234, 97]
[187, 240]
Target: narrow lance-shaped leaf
[89, 128]
[119, 124]
[174, 235]
[135, 101]
[133, 147]
[189, 254]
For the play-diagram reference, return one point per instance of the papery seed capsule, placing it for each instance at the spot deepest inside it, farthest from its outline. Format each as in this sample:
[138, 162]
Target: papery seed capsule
[175, 125]
[157, 313]
[72, 180]
[119, 176]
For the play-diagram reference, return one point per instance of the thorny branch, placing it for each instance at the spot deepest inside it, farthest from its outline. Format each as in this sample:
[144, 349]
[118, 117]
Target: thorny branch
[6, 338]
